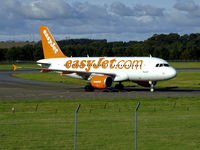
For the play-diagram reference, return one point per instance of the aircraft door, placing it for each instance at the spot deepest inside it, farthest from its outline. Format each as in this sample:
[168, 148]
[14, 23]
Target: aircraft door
[146, 65]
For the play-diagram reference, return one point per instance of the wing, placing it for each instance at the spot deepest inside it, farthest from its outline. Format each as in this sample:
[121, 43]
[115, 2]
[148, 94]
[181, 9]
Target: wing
[85, 75]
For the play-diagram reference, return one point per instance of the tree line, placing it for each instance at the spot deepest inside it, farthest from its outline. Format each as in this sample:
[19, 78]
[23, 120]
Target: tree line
[167, 46]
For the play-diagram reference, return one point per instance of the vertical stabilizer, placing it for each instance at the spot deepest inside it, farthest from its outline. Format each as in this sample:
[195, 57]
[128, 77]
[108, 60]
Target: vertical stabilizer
[50, 47]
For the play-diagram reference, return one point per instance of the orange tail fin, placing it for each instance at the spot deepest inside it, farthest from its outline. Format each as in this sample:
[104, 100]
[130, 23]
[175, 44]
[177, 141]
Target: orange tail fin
[50, 47]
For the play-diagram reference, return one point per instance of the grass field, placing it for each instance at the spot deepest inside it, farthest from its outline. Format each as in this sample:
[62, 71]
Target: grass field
[187, 79]
[14, 44]
[183, 80]
[163, 124]
[49, 77]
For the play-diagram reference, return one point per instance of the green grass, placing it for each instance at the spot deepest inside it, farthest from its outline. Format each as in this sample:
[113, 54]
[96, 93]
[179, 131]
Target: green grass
[49, 77]
[163, 124]
[10, 67]
[183, 80]
[185, 64]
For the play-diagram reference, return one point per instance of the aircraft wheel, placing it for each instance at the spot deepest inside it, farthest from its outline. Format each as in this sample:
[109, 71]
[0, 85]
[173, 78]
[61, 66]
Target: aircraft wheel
[152, 89]
[89, 88]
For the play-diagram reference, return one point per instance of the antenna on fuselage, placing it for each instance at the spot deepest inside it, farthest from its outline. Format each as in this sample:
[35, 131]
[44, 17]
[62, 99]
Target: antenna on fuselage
[88, 55]
[150, 56]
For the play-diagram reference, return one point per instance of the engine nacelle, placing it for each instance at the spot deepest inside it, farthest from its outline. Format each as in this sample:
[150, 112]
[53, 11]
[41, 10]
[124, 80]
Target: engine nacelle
[145, 83]
[101, 82]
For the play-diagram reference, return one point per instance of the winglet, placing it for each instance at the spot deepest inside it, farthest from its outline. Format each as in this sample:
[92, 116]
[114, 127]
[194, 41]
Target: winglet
[14, 67]
[50, 47]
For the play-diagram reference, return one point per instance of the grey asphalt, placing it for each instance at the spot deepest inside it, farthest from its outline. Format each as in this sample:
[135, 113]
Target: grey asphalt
[12, 88]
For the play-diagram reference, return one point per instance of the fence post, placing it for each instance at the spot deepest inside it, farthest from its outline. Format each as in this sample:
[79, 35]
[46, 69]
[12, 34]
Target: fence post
[138, 105]
[76, 118]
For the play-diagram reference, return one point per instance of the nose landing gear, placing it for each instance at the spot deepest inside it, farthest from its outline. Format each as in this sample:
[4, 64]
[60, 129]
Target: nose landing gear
[152, 84]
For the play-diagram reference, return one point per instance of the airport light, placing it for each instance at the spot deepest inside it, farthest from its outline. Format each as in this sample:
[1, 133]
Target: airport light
[76, 118]
[136, 109]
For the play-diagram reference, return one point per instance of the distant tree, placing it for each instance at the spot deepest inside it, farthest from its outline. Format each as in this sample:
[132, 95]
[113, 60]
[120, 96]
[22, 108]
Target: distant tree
[13, 53]
[167, 46]
[3, 54]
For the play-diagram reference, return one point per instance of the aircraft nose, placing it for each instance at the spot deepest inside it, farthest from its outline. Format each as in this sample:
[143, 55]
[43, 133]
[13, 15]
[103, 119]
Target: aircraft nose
[172, 72]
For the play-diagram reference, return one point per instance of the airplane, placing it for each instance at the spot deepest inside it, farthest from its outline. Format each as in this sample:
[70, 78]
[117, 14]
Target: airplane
[101, 72]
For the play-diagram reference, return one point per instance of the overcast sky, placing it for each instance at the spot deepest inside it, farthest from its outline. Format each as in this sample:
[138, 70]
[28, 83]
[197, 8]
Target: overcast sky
[113, 20]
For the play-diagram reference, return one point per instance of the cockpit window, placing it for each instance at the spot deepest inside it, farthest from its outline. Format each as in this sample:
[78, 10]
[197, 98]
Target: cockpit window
[162, 65]
[166, 65]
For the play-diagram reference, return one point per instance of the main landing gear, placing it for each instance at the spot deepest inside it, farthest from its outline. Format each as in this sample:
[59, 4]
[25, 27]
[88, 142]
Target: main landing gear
[119, 86]
[89, 88]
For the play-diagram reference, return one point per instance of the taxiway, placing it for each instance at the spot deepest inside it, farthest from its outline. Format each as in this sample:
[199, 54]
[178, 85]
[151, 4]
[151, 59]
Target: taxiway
[12, 88]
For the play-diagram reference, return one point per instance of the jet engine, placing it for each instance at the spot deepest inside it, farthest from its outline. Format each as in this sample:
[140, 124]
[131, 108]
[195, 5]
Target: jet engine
[101, 82]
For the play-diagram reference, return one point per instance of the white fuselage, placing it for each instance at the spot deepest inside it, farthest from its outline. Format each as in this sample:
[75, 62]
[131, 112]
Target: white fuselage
[120, 68]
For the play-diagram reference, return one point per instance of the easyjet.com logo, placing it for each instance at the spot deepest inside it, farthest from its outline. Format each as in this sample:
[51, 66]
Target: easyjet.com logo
[104, 64]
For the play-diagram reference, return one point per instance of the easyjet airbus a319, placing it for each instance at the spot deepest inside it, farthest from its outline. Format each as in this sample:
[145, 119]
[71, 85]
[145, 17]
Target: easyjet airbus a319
[101, 72]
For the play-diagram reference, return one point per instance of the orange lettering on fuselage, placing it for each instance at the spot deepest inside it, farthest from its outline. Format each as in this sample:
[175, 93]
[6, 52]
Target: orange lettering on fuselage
[127, 64]
[68, 64]
[89, 65]
[96, 66]
[137, 64]
[104, 64]
[82, 64]
[120, 64]
[75, 64]
[112, 63]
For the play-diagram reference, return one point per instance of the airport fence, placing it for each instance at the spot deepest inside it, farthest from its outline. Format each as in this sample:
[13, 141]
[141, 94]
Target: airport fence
[41, 127]
[100, 125]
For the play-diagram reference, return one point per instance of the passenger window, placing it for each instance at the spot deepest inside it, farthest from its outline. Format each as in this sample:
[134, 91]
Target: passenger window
[161, 65]
[157, 65]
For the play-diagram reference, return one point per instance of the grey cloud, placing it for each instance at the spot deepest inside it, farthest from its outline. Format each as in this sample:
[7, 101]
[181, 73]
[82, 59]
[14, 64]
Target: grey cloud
[10, 22]
[121, 10]
[189, 6]
[90, 10]
[149, 10]
[40, 9]
[82, 18]
[45, 9]
[186, 5]
[139, 10]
